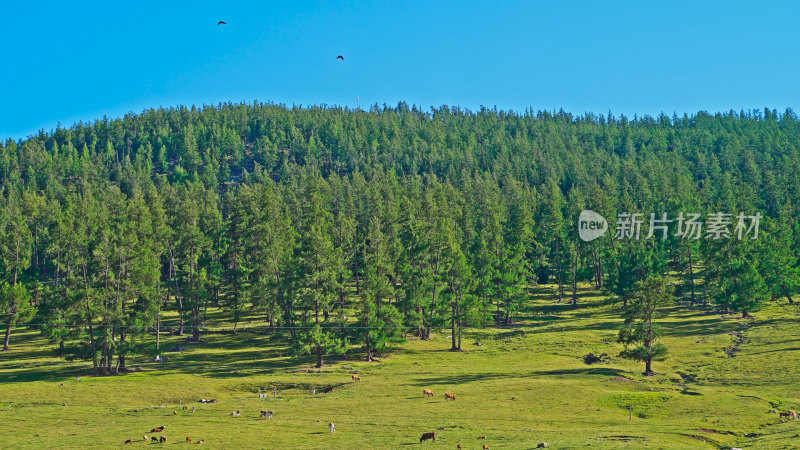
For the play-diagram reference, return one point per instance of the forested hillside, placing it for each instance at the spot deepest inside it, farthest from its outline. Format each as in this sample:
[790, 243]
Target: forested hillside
[349, 231]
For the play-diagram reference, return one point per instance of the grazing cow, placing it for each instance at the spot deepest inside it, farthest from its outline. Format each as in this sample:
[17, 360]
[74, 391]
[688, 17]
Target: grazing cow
[174, 413]
[267, 414]
[356, 378]
[332, 427]
[194, 408]
[162, 439]
[543, 445]
[129, 441]
[481, 437]
[793, 414]
[458, 446]
[201, 441]
[236, 413]
[784, 414]
[329, 390]
[154, 439]
[145, 438]
[449, 396]
[427, 393]
[185, 408]
[426, 436]
[485, 447]
[158, 429]
[313, 391]
[188, 439]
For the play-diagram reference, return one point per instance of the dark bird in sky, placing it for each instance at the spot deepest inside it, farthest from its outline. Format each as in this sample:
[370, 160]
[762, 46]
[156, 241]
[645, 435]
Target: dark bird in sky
[340, 57]
[222, 22]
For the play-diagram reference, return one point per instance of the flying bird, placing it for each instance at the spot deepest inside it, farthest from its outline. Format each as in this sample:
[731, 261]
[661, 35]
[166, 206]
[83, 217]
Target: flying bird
[222, 22]
[340, 57]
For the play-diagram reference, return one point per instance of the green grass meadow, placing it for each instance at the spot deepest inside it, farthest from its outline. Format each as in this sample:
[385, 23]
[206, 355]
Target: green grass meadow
[524, 385]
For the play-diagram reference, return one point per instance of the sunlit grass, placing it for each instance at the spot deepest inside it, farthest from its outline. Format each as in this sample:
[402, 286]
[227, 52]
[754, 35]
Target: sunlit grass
[525, 384]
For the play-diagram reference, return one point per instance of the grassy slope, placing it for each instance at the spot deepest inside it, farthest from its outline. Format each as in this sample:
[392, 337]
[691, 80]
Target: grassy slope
[525, 384]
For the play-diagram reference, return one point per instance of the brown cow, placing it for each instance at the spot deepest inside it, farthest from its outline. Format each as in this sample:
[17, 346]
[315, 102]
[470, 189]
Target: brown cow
[158, 429]
[129, 441]
[793, 414]
[188, 439]
[356, 378]
[426, 436]
[427, 393]
[485, 447]
[449, 396]
[162, 439]
[267, 414]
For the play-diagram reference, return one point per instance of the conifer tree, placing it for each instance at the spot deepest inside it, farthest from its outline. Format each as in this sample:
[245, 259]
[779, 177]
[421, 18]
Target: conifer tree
[641, 333]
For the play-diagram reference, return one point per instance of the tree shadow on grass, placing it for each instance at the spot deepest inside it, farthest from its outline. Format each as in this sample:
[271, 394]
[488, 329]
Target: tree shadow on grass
[787, 341]
[777, 350]
[603, 371]
[602, 325]
[542, 325]
[218, 356]
[11, 359]
[698, 327]
[51, 373]
[476, 377]
[567, 310]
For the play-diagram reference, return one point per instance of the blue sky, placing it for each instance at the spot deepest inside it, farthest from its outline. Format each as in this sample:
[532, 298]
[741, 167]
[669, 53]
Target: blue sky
[70, 61]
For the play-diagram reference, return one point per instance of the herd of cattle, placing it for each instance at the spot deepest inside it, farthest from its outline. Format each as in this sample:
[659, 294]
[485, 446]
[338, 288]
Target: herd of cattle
[161, 439]
[268, 415]
[425, 436]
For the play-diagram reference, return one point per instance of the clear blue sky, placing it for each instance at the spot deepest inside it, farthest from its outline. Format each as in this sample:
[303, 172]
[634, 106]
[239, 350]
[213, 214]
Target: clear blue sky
[70, 61]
